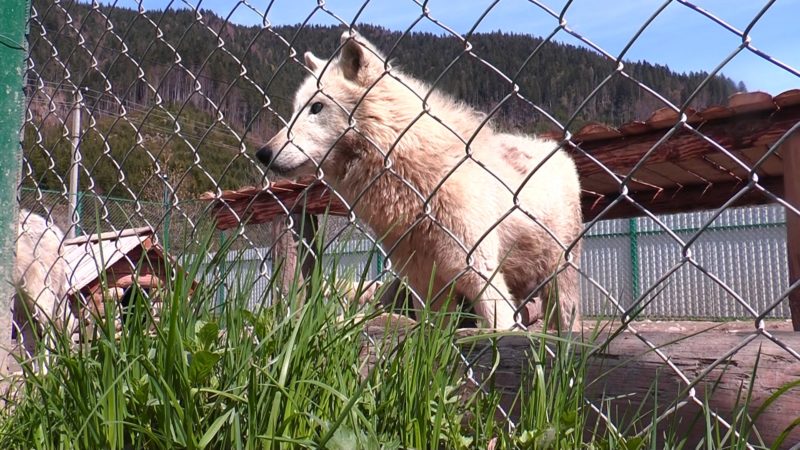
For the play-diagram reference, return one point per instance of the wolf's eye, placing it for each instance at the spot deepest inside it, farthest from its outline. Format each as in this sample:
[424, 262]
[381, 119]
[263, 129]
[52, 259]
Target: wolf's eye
[316, 108]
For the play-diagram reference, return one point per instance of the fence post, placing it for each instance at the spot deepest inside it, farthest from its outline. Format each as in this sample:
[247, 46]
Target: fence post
[289, 251]
[633, 237]
[306, 227]
[790, 151]
[74, 172]
[13, 49]
[379, 263]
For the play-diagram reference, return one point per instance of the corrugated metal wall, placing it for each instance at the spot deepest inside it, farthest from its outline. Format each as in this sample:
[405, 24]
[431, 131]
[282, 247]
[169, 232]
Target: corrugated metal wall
[733, 264]
[724, 267]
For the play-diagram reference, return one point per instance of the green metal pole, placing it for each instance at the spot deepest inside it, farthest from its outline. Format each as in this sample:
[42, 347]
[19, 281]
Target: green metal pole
[379, 263]
[13, 49]
[633, 234]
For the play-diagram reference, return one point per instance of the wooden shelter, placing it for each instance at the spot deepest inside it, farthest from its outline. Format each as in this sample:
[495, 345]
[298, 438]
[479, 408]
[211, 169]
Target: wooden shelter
[108, 264]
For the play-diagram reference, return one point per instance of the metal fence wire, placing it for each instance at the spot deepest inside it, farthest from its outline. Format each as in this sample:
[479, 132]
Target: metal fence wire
[143, 110]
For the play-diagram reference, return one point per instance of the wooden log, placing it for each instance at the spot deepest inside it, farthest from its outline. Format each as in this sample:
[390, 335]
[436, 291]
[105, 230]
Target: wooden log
[254, 205]
[625, 377]
[630, 372]
[790, 150]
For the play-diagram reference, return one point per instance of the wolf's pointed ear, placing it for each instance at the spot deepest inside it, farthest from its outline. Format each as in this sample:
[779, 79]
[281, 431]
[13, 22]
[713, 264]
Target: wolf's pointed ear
[359, 60]
[312, 62]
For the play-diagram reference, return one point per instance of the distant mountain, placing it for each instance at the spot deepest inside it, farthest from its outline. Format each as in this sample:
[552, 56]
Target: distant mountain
[208, 82]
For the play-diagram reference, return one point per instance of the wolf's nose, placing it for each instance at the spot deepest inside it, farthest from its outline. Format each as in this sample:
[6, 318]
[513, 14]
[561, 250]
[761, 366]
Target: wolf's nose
[264, 154]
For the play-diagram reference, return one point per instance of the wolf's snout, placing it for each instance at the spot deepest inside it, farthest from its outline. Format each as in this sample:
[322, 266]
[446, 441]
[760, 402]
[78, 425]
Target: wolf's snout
[265, 154]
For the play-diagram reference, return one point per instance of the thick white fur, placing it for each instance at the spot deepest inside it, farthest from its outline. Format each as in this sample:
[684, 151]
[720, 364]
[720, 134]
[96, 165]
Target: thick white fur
[372, 119]
[40, 279]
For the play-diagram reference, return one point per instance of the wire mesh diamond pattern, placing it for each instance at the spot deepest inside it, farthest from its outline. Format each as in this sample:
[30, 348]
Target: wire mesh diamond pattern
[176, 102]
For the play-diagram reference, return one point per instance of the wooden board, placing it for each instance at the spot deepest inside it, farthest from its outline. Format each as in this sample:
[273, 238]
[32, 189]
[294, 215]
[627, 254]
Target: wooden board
[791, 161]
[690, 198]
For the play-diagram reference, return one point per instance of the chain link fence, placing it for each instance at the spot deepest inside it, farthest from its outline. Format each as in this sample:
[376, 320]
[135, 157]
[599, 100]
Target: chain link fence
[144, 110]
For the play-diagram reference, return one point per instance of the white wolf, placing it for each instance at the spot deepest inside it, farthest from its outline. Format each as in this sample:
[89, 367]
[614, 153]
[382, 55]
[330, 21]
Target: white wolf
[40, 278]
[456, 203]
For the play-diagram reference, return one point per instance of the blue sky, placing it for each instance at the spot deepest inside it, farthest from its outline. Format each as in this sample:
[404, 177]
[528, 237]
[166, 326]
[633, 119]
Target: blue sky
[679, 36]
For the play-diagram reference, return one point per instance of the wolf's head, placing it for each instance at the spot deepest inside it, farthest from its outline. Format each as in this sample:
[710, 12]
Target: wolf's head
[323, 125]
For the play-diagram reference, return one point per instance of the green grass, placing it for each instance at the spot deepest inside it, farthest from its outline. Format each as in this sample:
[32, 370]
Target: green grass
[293, 375]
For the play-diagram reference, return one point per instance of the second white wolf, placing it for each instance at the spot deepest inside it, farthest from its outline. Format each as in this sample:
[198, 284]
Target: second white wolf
[40, 279]
[455, 202]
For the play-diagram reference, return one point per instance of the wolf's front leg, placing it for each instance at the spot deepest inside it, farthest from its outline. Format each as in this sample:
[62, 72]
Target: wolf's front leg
[495, 305]
[490, 299]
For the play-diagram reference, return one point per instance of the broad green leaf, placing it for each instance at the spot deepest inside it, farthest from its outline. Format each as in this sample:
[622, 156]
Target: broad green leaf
[201, 365]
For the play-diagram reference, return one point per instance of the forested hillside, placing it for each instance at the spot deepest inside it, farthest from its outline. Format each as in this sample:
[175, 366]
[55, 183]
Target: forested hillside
[138, 81]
